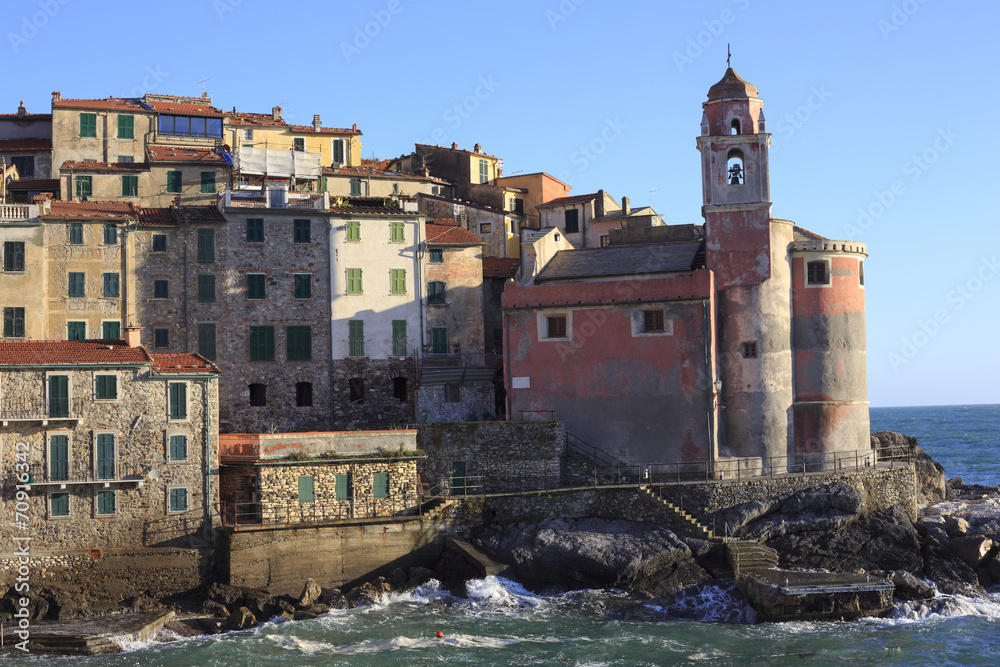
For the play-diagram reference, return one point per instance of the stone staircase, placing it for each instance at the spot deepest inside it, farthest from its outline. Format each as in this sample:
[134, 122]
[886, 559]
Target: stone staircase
[746, 556]
[683, 520]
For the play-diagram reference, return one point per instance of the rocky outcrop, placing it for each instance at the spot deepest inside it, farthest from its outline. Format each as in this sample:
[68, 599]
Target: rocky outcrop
[930, 473]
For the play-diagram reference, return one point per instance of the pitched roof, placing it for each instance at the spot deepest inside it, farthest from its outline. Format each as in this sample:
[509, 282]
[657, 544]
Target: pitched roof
[621, 215]
[105, 166]
[25, 144]
[799, 234]
[500, 267]
[450, 235]
[111, 104]
[87, 210]
[622, 261]
[34, 184]
[70, 352]
[325, 130]
[174, 215]
[240, 118]
[182, 154]
[576, 199]
[196, 107]
[383, 173]
[184, 363]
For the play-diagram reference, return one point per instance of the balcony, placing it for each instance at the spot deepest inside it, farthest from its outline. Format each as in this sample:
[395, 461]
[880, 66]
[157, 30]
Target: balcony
[35, 409]
[18, 212]
[455, 368]
[356, 347]
[275, 198]
[60, 477]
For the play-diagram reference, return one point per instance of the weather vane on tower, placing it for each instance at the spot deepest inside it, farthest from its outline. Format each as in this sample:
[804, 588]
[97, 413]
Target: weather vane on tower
[728, 55]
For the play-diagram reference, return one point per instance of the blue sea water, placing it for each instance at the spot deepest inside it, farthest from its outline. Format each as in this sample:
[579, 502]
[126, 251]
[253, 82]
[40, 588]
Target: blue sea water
[498, 622]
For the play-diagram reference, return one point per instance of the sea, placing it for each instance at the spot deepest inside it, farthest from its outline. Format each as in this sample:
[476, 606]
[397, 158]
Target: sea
[498, 622]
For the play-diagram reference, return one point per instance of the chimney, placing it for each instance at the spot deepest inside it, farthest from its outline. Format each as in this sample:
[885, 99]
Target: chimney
[316, 123]
[20, 110]
[204, 94]
[478, 148]
[599, 205]
[132, 336]
[454, 145]
[355, 128]
[275, 113]
[56, 96]
[625, 207]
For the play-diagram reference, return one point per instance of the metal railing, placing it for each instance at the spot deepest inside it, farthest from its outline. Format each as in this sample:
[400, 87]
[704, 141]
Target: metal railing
[37, 408]
[60, 474]
[400, 347]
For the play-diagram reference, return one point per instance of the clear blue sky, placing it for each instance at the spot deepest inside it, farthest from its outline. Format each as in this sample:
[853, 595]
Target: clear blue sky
[863, 98]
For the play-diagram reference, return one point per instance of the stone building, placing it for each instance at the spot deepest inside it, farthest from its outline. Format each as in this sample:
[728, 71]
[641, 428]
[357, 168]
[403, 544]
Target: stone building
[747, 343]
[115, 447]
[26, 143]
[497, 228]
[370, 182]
[587, 220]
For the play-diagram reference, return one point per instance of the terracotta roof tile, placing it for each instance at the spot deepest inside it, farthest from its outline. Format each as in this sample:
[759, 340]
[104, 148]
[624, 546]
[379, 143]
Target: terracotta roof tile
[382, 173]
[34, 184]
[84, 210]
[451, 235]
[501, 267]
[181, 154]
[105, 166]
[243, 118]
[184, 363]
[324, 130]
[63, 352]
[175, 215]
[25, 144]
[111, 104]
[197, 107]
[576, 199]
[801, 234]
[27, 116]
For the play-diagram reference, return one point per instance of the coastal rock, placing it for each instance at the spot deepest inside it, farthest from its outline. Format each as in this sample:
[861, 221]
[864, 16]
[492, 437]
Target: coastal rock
[931, 485]
[397, 578]
[418, 576]
[993, 568]
[909, 587]
[956, 526]
[951, 574]
[230, 597]
[333, 598]
[310, 593]
[261, 604]
[213, 608]
[241, 619]
[972, 549]
[311, 611]
[830, 508]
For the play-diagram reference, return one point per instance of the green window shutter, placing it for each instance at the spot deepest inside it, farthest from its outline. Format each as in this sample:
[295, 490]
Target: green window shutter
[130, 186]
[338, 151]
[76, 282]
[208, 181]
[59, 504]
[262, 343]
[178, 447]
[484, 171]
[380, 484]
[435, 292]
[298, 343]
[397, 231]
[13, 322]
[111, 330]
[206, 340]
[301, 231]
[255, 285]
[178, 500]
[439, 340]
[178, 400]
[356, 338]
[106, 502]
[353, 230]
[58, 396]
[206, 245]
[76, 330]
[88, 125]
[305, 488]
[206, 288]
[111, 285]
[354, 285]
[126, 126]
[303, 286]
[355, 187]
[110, 234]
[58, 458]
[174, 182]
[76, 233]
[399, 338]
[84, 188]
[397, 281]
[255, 230]
[107, 387]
[436, 256]
[105, 456]
[342, 489]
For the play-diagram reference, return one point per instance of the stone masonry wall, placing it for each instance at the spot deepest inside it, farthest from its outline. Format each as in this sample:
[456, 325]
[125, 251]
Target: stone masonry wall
[378, 409]
[475, 401]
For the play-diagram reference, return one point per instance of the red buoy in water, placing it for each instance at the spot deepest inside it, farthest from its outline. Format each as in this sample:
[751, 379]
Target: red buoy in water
[440, 634]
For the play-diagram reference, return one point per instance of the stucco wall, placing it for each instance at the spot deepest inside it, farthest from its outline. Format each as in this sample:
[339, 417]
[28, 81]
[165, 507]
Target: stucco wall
[462, 313]
[21, 289]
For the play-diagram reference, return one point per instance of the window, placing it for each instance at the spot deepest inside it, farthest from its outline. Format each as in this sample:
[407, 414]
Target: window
[302, 288]
[208, 181]
[105, 458]
[817, 274]
[338, 151]
[452, 392]
[174, 182]
[255, 285]
[303, 394]
[572, 221]
[305, 489]
[485, 228]
[299, 144]
[497, 340]
[107, 387]
[59, 504]
[13, 256]
[111, 330]
[399, 338]
[161, 289]
[343, 486]
[110, 234]
[652, 320]
[397, 281]
[58, 396]
[356, 338]
[435, 292]
[206, 245]
[734, 165]
[13, 322]
[190, 126]
[301, 231]
[206, 287]
[356, 386]
[435, 256]
[178, 500]
[380, 485]
[106, 503]
[84, 186]
[439, 340]
[206, 340]
[397, 231]
[258, 395]
[159, 242]
[76, 285]
[861, 272]
[399, 389]
[750, 350]
[484, 171]
[355, 187]
[556, 326]
[517, 205]
[734, 126]
[126, 126]
[161, 337]
[255, 230]
[111, 285]
[605, 240]
[76, 330]
[126, 159]
[298, 343]
[59, 458]
[130, 186]
[178, 400]
[353, 230]
[247, 135]
[177, 448]
[354, 281]
[262, 343]
[25, 165]
[88, 125]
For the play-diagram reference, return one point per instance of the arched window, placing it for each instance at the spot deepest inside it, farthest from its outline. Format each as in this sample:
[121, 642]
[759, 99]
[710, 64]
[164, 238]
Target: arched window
[734, 164]
[734, 127]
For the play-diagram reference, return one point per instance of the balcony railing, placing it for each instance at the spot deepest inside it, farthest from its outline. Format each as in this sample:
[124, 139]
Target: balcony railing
[59, 475]
[400, 347]
[356, 347]
[274, 198]
[37, 409]
[16, 212]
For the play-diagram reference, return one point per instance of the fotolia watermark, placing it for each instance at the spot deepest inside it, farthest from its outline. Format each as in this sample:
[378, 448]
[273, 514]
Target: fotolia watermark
[30, 25]
[792, 121]
[958, 298]
[363, 37]
[459, 112]
[713, 29]
[899, 17]
[915, 167]
[565, 9]
[587, 153]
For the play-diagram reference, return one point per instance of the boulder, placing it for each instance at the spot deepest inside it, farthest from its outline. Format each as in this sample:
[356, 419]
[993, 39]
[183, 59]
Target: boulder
[261, 604]
[242, 619]
[909, 587]
[310, 593]
[311, 611]
[230, 597]
[213, 608]
[956, 526]
[418, 576]
[993, 567]
[931, 485]
[397, 578]
[333, 598]
[972, 549]
[951, 574]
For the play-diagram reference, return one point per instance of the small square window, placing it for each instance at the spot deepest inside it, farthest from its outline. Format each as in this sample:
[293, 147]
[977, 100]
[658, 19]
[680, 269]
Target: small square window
[159, 242]
[556, 326]
[817, 273]
[258, 395]
[206, 288]
[354, 285]
[174, 182]
[750, 350]
[110, 234]
[126, 126]
[13, 256]
[13, 322]
[262, 343]
[452, 393]
[76, 233]
[76, 285]
[397, 231]
[84, 187]
[299, 144]
[106, 503]
[652, 320]
[435, 256]
[208, 181]
[178, 500]
[126, 159]
[88, 125]
[206, 340]
[130, 186]
[298, 343]
[111, 287]
[397, 281]
[353, 231]
[59, 504]
[107, 387]
[178, 448]
[161, 337]
[111, 330]
[161, 289]
[76, 330]
[485, 228]
[435, 292]
[247, 135]
[302, 231]
[255, 230]
[303, 394]
[302, 285]
[255, 285]
[572, 221]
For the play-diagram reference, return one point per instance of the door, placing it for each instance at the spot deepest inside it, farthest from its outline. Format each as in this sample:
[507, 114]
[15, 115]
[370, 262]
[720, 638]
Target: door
[439, 340]
[458, 478]
[58, 396]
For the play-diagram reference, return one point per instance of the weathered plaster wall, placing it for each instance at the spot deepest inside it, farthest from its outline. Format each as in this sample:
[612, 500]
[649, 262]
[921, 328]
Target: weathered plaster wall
[461, 314]
[476, 400]
[21, 289]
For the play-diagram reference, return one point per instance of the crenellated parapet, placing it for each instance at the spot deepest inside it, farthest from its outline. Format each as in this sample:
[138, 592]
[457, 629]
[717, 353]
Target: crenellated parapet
[829, 246]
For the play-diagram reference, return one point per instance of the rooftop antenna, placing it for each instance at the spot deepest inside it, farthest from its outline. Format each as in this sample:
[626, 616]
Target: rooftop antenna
[651, 196]
[728, 55]
[204, 80]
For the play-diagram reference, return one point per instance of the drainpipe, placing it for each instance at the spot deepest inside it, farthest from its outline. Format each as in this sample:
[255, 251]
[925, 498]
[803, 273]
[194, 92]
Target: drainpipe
[187, 232]
[207, 503]
[506, 365]
[710, 389]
